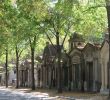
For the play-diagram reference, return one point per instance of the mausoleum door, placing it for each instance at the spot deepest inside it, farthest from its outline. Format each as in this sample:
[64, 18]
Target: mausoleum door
[77, 71]
[90, 75]
[65, 76]
[26, 77]
[77, 76]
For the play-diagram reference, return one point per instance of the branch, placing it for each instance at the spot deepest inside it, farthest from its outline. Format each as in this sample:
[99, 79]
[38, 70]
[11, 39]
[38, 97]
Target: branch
[64, 39]
[93, 7]
[48, 37]
[30, 41]
[54, 27]
[50, 40]
[20, 53]
[52, 32]
[69, 26]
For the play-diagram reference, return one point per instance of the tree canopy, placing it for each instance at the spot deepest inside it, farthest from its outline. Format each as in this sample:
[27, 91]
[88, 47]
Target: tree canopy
[22, 20]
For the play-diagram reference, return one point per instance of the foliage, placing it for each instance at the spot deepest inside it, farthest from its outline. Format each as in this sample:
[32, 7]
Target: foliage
[24, 19]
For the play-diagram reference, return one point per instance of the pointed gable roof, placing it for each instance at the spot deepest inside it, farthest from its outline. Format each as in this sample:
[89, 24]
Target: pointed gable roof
[50, 50]
[88, 45]
[105, 41]
[75, 51]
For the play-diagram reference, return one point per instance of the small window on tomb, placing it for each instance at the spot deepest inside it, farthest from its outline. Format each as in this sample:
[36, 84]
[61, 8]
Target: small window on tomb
[79, 43]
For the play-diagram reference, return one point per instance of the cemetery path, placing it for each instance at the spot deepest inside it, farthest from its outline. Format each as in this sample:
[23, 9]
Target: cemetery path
[17, 94]
[8, 94]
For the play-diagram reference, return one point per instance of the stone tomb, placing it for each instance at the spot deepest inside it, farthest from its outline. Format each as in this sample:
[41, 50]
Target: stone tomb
[92, 67]
[104, 59]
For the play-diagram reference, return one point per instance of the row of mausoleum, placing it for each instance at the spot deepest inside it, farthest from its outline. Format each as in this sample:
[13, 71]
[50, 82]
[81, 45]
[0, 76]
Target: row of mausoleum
[83, 68]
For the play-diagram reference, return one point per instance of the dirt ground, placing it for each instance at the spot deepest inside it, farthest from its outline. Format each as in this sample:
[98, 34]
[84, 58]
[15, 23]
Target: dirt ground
[65, 95]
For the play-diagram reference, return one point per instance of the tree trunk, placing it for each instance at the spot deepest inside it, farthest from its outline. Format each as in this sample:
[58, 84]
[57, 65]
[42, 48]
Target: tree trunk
[32, 68]
[17, 64]
[59, 64]
[108, 16]
[6, 68]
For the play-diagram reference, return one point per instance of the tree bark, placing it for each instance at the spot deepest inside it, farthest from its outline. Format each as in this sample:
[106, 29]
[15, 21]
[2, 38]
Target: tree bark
[32, 68]
[32, 46]
[6, 66]
[17, 64]
[59, 64]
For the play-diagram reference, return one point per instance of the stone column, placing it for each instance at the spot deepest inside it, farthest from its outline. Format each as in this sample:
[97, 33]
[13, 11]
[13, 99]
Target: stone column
[44, 84]
[86, 77]
[36, 77]
[103, 76]
[41, 76]
[50, 76]
[104, 88]
[95, 65]
[21, 77]
[106, 76]
[28, 78]
[73, 74]
[69, 74]
[80, 79]
[46, 76]
[56, 77]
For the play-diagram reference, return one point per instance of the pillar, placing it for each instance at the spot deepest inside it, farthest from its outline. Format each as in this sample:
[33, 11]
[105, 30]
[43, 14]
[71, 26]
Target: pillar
[103, 76]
